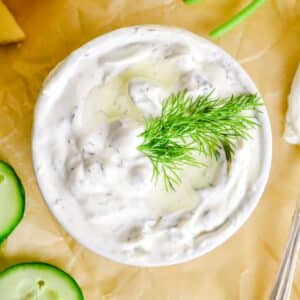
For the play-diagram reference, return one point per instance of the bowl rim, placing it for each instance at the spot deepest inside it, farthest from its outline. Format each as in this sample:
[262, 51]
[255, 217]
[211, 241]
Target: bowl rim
[266, 149]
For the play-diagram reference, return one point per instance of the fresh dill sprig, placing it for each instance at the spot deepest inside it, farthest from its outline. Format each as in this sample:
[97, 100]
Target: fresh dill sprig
[191, 127]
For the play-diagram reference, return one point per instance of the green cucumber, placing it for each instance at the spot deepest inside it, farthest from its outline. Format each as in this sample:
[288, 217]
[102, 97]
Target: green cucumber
[31, 281]
[12, 200]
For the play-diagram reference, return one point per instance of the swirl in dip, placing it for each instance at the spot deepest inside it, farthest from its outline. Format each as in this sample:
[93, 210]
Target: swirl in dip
[88, 120]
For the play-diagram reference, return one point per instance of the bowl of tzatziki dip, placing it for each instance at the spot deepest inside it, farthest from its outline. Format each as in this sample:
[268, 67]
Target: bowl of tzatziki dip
[123, 169]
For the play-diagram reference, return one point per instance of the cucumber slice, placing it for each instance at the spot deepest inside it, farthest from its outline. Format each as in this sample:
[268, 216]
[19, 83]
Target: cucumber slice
[12, 200]
[32, 281]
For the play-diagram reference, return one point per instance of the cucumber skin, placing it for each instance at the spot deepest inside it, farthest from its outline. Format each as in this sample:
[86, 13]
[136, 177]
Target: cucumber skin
[42, 265]
[22, 197]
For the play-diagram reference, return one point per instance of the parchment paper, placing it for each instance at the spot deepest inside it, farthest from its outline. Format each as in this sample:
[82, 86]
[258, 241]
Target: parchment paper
[268, 47]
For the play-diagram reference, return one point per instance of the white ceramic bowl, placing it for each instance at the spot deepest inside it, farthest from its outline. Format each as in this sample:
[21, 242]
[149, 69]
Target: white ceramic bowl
[59, 78]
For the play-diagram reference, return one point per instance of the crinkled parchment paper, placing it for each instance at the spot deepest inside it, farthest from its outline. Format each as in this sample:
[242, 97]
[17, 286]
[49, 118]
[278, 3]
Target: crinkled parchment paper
[268, 47]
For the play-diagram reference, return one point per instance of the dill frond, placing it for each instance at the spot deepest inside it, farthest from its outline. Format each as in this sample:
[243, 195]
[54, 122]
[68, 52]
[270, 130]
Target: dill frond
[192, 126]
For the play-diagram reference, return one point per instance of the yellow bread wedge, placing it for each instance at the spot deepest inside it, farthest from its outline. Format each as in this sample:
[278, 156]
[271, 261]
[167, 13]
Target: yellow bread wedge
[9, 29]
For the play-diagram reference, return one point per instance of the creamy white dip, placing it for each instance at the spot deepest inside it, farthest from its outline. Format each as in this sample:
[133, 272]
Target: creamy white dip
[87, 125]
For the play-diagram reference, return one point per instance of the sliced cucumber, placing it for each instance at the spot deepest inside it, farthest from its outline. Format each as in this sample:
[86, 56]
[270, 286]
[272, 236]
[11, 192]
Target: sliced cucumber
[12, 200]
[31, 281]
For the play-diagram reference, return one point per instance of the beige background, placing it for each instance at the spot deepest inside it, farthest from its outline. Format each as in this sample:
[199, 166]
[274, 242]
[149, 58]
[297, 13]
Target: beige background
[268, 47]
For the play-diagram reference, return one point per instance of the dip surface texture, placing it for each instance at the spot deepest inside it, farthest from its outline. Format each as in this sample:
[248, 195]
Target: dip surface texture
[99, 186]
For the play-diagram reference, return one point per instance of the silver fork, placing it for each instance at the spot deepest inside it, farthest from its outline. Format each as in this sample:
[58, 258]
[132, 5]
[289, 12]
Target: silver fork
[284, 281]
